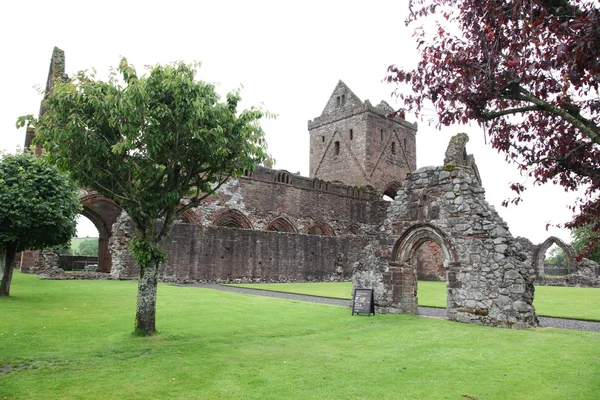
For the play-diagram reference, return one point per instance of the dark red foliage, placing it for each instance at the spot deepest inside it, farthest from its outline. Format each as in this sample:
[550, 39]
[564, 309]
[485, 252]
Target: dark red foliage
[528, 71]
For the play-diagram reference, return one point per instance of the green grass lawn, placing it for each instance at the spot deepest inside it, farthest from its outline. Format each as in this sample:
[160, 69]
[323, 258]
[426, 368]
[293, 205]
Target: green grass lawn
[550, 301]
[72, 340]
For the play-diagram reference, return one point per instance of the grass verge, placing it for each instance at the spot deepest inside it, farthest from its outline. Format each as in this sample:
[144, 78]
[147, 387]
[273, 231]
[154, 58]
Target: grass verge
[72, 339]
[550, 301]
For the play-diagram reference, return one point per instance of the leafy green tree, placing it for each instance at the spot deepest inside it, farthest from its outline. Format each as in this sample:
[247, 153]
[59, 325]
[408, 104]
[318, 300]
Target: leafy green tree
[156, 144]
[38, 207]
[585, 242]
[556, 257]
[88, 247]
[66, 249]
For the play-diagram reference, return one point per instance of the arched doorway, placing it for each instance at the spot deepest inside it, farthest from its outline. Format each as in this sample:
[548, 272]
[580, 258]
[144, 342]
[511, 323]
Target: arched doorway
[103, 213]
[404, 267]
[540, 255]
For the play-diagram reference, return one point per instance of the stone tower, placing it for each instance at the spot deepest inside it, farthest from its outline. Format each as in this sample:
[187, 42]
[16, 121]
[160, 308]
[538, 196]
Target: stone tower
[355, 143]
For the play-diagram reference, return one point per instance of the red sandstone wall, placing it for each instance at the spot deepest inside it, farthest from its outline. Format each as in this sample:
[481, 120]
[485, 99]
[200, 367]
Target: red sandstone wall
[261, 199]
[226, 254]
[430, 263]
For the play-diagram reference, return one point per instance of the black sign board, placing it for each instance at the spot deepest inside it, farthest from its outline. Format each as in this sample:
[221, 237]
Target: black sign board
[362, 302]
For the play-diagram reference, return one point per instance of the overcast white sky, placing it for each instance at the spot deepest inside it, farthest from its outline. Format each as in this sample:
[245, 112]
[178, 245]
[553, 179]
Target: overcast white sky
[287, 55]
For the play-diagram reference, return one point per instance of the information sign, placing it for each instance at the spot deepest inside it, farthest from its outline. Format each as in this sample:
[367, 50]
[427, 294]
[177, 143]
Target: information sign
[362, 301]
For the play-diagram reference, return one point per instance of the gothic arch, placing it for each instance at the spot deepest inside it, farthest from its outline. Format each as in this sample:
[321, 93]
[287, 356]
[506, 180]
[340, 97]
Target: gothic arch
[410, 241]
[103, 213]
[283, 177]
[391, 189]
[281, 224]
[190, 217]
[352, 229]
[540, 256]
[232, 219]
[320, 228]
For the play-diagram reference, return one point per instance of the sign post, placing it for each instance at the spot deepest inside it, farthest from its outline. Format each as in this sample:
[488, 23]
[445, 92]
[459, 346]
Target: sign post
[362, 302]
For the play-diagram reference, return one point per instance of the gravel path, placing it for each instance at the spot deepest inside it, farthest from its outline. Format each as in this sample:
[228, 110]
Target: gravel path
[424, 311]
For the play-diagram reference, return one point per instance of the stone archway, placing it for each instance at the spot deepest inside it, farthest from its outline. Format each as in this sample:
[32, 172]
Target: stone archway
[103, 213]
[488, 280]
[540, 255]
[403, 267]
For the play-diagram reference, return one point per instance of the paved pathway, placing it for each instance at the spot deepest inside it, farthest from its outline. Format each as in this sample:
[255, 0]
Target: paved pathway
[425, 311]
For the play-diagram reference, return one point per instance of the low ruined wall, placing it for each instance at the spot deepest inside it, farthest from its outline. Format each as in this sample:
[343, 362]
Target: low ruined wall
[220, 254]
[73, 263]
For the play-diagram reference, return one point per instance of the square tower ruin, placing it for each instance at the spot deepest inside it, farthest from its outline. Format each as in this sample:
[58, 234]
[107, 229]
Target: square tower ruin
[355, 143]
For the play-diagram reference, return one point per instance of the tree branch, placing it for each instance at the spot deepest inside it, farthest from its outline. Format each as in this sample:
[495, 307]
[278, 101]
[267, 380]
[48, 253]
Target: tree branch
[587, 128]
[489, 115]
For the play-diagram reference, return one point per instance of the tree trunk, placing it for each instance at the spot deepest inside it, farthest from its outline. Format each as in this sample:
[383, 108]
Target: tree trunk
[7, 257]
[145, 316]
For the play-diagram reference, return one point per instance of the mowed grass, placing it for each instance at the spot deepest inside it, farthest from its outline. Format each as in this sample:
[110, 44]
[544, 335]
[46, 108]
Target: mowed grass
[72, 340]
[550, 301]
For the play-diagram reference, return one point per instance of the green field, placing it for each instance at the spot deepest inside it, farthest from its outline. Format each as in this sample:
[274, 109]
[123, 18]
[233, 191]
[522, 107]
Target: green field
[550, 301]
[72, 340]
[77, 242]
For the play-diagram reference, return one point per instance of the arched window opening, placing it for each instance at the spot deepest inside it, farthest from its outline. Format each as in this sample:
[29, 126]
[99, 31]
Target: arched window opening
[280, 224]
[351, 134]
[393, 148]
[232, 219]
[336, 149]
[381, 135]
[423, 207]
[248, 174]
[391, 191]
[320, 228]
[283, 177]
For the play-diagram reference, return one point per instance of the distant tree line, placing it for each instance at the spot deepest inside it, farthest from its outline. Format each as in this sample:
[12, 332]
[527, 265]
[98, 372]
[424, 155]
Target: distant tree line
[87, 247]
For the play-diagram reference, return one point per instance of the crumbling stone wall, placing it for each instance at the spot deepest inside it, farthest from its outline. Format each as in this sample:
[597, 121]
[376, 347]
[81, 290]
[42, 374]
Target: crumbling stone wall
[36, 262]
[261, 201]
[223, 254]
[68, 262]
[583, 273]
[489, 281]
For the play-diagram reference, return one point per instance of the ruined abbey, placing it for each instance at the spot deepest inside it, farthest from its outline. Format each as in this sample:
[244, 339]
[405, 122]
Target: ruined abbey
[365, 214]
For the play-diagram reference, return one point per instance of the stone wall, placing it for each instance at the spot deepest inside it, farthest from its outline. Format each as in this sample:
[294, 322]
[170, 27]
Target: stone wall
[222, 254]
[489, 280]
[260, 199]
[35, 262]
[69, 262]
